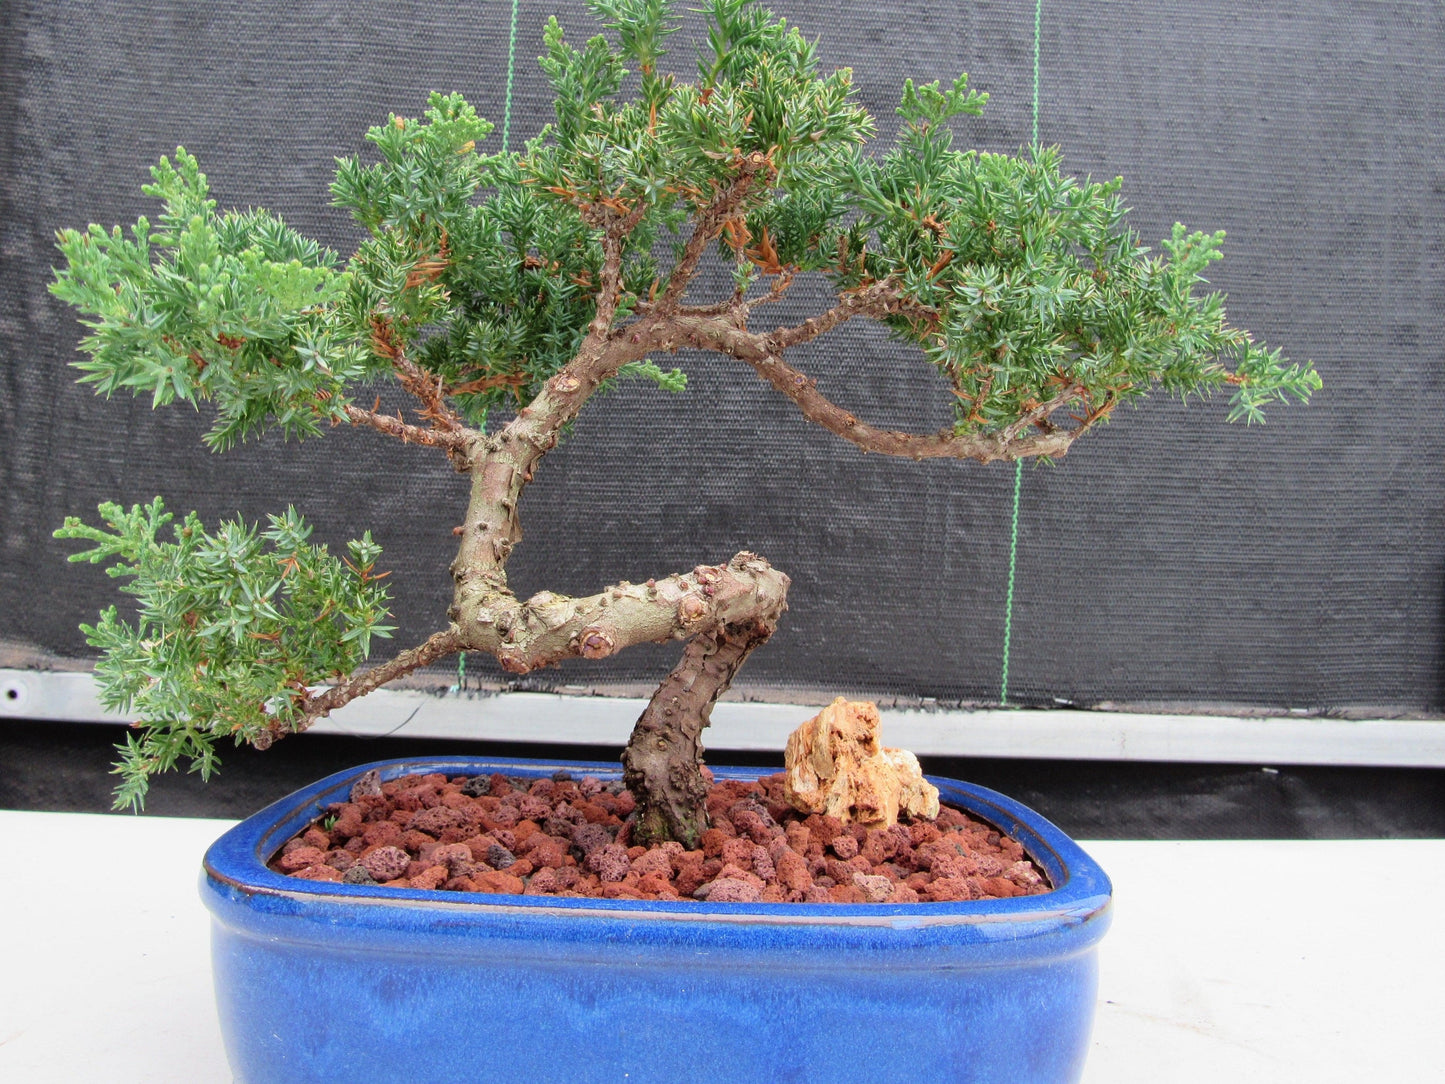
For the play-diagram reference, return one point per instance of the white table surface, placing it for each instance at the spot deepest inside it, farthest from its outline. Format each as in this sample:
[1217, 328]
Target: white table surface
[1326, 970]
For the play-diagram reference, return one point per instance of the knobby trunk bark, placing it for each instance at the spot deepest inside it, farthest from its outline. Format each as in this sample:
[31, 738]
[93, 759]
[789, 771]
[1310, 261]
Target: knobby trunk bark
[663, 760]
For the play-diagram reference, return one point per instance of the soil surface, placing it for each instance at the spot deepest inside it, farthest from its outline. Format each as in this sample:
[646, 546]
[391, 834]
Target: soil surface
[562, 836]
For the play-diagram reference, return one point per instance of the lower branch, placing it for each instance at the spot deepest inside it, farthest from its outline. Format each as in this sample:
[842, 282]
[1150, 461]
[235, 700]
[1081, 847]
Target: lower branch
[318, 706]
[663, 760]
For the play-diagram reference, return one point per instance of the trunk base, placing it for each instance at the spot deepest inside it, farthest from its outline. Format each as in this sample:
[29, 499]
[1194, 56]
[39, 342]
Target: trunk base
[663, 760]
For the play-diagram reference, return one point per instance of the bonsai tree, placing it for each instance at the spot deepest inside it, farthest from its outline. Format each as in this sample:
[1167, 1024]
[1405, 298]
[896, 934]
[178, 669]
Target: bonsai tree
[503, 291]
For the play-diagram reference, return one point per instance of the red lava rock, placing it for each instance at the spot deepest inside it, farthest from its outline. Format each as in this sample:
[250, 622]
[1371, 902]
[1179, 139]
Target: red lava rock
[549, 854]
[590, 837]
[712, 842]
[657, 886]
[500, 787]
[922, 832]
[386, 863]
[298, 858]
[798, 836]
[990, 865]
[874, 889]
[728, 890]
[504, 816]
[1001, 887]
[534, 806]
[949, 817]
[737, 851]
[318, 873]
[823, 828]
[430, 878]
[610, 863]
[948, 889]
[525, 830]
[689, 878]
[757, 826]
[494, 835]
[792, 870]
[737, 873]
[1023, 874]
[478, 846]
[496, 881]
[382, 834]
[453, 856]
[763, 864]
[617, 891]
[651, 863]
[436, 820]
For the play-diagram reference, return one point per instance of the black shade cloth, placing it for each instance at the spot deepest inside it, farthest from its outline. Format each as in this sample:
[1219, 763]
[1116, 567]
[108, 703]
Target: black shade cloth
[1169, 558]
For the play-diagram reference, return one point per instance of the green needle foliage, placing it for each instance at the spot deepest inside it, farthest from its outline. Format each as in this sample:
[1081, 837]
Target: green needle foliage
[479, 275]
[231, 630]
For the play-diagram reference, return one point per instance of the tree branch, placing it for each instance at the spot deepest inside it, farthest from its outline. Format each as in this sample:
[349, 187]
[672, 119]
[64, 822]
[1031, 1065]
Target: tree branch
[407, 434]
[321, 704]
[877, 300]
[762, 353]
[707, 226]
[426, 388]
[548, 628]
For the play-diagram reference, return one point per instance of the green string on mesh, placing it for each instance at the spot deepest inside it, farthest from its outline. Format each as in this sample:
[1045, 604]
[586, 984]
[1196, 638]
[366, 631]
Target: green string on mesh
[506, 136]
[1013, 545]
[511, 67]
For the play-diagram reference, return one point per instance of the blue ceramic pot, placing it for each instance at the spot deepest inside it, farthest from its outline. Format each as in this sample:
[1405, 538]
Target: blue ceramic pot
[333, 982]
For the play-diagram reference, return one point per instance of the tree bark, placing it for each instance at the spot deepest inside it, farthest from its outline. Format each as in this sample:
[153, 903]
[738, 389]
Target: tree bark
[663, 759]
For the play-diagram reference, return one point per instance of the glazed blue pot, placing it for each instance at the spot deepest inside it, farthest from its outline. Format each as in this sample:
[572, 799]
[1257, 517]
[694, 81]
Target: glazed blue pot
[331, 982]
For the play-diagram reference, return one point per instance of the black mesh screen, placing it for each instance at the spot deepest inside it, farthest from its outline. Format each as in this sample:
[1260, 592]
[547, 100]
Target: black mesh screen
[1169, 558]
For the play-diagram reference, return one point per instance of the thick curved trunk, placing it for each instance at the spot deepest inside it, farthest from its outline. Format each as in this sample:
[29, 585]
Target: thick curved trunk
[663, 759]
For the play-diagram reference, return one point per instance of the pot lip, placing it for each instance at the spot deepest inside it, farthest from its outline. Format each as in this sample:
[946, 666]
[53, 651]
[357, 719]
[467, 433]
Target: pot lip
[235, 864]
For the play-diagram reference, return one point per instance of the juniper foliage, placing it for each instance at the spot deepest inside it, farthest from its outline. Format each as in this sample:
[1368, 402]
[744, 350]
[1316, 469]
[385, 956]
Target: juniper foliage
[481, 275]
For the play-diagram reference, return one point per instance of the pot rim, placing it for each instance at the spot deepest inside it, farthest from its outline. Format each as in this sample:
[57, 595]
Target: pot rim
[235, 865]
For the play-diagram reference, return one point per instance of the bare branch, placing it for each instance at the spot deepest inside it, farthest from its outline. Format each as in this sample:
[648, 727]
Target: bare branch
[408, 434]
[708, 224]
[1041, 412]
[318, 706]
[945, 444]
[763, 354]
[428, 389]
[877, 300]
